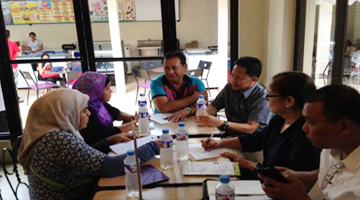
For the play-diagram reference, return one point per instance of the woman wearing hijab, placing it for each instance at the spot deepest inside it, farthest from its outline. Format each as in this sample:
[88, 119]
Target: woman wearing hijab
[100, 125]
[59, 164]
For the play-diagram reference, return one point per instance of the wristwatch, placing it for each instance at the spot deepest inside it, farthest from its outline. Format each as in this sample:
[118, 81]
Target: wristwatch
[188, 109]
[224, 126]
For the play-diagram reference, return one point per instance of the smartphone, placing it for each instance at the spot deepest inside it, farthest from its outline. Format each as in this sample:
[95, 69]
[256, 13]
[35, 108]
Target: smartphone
[270, 172]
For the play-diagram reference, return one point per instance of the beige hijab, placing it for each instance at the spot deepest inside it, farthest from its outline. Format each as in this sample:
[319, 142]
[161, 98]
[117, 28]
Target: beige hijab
[57, 110]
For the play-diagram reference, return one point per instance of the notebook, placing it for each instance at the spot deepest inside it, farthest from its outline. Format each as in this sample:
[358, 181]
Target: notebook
[151, 175]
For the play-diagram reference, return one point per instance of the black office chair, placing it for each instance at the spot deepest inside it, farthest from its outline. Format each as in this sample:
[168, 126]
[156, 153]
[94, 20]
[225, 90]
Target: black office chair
[205, 65]
[13, 155]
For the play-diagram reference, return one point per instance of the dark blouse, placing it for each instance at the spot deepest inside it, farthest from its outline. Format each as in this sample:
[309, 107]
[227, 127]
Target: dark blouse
[290, 149]
[95, 130]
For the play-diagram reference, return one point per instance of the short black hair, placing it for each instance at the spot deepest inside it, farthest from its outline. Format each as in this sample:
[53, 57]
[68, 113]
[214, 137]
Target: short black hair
[175, 54]
[296, 84]
[338, 102]
[44, 54]
[7, 34]
[252, 65]
[32, 33]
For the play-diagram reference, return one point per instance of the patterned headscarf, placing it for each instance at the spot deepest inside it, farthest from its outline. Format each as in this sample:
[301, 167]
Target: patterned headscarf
[93, 84]
[57, 110]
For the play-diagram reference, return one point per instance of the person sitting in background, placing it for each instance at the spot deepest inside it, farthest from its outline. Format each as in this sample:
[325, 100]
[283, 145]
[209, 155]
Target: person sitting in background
[175, 91]
[13, 51]
[284, 143]
[45, 67]
[59, 164]
[332, 122]
[246, 108]
[74, 66]
[100, 126]
[34, 45]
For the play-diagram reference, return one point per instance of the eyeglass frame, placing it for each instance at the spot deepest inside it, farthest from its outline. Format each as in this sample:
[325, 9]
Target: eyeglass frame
[327, 180]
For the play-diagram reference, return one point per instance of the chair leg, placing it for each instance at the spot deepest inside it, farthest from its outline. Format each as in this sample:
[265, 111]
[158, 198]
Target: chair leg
[27, 102]
[137, 92]
[149, 96]
[208, 87]
[37, 94]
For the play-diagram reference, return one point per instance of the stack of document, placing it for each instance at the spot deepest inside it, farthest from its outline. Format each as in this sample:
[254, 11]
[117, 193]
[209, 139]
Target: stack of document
[160, 118]
[211, 168]
[243, 190]
[122, 148]
[198, 153]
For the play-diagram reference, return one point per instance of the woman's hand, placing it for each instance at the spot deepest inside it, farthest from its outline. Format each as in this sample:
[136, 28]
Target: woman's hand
[118, 138]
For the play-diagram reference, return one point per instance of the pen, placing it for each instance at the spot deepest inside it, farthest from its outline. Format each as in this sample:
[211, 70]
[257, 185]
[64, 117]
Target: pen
[211, 136]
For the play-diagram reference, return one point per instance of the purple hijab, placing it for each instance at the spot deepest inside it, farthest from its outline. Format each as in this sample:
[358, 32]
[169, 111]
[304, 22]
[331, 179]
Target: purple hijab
[93, 84]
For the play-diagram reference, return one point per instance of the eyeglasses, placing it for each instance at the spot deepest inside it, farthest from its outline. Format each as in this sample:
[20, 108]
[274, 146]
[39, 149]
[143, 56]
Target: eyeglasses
[327, 180]
[268, 96]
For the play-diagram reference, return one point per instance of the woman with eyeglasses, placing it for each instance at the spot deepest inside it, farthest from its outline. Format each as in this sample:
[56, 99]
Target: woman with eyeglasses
[284, 142]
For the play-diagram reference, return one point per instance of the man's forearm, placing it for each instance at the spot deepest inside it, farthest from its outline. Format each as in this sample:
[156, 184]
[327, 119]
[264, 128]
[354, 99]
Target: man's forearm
[243, 127]
[171, 106]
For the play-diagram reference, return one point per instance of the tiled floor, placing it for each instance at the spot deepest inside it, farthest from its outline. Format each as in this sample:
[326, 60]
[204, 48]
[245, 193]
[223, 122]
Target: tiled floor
[125, 103]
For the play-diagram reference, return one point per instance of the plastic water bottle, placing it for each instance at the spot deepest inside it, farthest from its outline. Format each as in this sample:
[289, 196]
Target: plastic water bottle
[201, 106]
[143, 120]
[131, 179]
[166, 150]
[224, 190]
[182, 144]
[142, 99]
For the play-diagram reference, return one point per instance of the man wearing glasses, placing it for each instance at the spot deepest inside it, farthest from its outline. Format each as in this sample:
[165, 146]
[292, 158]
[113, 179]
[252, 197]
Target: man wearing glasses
[333, 123]
[175, 91]
[246, 107]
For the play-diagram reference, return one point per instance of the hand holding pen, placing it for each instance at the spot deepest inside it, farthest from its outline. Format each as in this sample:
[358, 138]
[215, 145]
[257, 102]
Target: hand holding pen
[210, 144]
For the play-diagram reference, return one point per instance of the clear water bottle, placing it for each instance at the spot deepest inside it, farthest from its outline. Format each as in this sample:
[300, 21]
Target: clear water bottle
[182, 144]
[131, 179]
[142, 99]
[166, 150]
[224, 190]
[201, 106]
[143, 120]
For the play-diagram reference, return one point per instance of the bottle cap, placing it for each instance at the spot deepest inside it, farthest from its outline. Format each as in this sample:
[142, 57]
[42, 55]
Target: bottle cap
[181, 124]
[224, 179]
[142, 95]
[130, 152]
[165, 131]
[142, 105]
[201, 96]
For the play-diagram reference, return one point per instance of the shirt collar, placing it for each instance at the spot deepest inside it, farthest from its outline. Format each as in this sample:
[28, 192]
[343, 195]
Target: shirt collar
[249, 91]
[351, 162]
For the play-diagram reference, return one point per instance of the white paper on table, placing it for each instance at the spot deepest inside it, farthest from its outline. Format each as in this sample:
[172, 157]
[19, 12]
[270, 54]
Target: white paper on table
[199, 153]
[160, 118]
[122, 148]
[243, 189]
[208, 168]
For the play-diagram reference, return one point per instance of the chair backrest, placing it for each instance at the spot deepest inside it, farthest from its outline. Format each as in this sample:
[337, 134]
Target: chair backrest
[195, 72]
[205, 65]
[141, 73]
[13, 155]
[347, 65]
[27, 77]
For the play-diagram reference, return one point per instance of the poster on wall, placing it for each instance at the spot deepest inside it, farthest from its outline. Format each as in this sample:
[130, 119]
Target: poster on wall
[6, 12]
[25, 12]
[46, 15]
[128, 7]
[63, 11]
[98, 10]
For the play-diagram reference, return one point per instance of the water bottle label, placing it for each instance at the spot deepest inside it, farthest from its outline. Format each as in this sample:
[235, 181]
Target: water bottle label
[130, 168]
[201, 106]
[140, 102]
[167, 144]
[229, 196]
[143, 114]
[182, 137]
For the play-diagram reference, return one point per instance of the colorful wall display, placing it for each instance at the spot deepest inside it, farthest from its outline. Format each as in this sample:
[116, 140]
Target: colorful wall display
[25, 12]
[98, 10]
[63, 11]
[6, 12]
[128, 7]
[46, 15]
